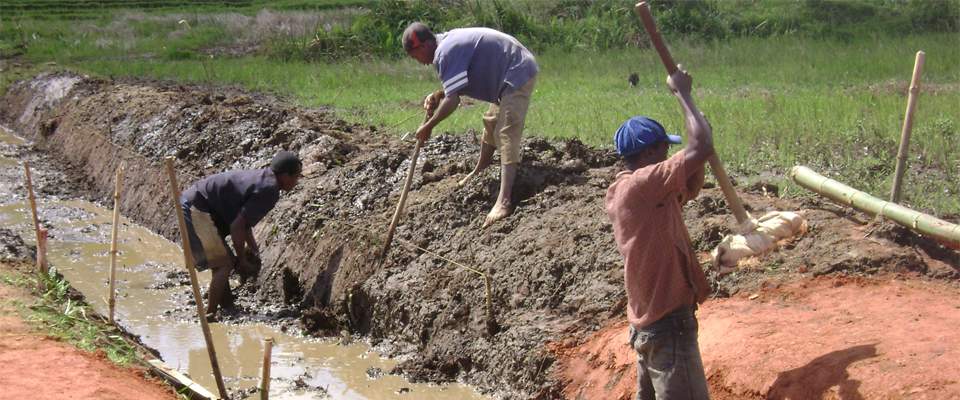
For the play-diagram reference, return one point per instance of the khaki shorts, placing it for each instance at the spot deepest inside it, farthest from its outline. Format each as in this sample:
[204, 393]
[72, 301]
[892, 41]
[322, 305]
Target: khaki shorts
[209, 249]
[503, 123]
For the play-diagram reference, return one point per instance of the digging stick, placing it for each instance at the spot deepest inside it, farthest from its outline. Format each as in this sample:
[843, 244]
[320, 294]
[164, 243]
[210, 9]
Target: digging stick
[188, 261]
[265, 382]
[907, 127]
[112, 302]
[403, 198]
[42, 267]
[715, 165]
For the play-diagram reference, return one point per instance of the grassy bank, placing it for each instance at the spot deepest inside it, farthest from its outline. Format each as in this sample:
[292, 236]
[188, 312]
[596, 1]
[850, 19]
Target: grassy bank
[60, 313]
[773, 102]
[819, 82]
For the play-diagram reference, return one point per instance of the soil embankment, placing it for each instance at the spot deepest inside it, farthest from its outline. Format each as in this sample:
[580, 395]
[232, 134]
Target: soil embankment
[556, 275]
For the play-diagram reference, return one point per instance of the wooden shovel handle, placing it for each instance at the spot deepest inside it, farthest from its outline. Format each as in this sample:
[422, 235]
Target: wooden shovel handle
[715, 165]
[643, 10]
[400, 204]
[403, 197]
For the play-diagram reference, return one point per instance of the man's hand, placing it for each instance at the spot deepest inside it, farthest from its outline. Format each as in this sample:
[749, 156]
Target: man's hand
[424, 132]
[248, 268]
[680, 81]
[431, 102]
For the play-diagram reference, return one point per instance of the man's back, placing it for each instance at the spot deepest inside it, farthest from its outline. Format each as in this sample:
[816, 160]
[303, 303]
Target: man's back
[481, 62]
[228, 194]
[661, 271]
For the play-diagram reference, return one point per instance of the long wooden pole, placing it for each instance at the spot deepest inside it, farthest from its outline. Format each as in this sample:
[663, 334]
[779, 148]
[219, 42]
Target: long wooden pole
[733, 200]
[942, 230]
[194, 282]
[42, 267]
[265, 381]
[403, 198]
[112, 299]
[907, 127]
[403, 201]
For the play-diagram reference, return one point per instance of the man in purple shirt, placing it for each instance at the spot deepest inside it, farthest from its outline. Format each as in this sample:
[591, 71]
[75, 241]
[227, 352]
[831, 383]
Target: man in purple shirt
[230, 204]
[487, 65]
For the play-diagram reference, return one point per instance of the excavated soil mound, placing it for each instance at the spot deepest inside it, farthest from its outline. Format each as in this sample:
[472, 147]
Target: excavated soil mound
[554, 270]
[832, 337]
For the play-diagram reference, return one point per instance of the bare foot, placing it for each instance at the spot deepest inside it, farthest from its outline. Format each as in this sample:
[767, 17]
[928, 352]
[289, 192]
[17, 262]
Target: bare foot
[213, 317]
[498, 212]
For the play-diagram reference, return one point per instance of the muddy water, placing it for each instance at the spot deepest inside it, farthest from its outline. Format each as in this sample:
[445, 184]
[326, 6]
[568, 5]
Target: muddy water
[152, 302]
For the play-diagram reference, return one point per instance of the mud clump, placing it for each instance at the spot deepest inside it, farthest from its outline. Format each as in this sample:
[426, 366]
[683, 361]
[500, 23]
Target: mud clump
[13, 249]
[554, 268]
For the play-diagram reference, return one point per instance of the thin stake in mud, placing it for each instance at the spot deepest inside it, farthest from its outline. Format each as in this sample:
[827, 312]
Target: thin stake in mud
[194, 282]
[41, 266]
[907, 127]
[42, 259]
[265, 381]
[112, 302]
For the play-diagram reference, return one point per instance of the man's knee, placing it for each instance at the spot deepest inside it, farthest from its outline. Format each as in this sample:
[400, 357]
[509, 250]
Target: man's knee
[221, 271]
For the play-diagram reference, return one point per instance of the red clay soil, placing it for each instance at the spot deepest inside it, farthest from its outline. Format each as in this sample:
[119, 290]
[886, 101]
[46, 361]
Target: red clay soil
[827, 338]
[36, 367]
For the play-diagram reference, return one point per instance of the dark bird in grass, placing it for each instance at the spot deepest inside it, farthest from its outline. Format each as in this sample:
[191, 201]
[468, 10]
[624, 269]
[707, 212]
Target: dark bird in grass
[633, 79]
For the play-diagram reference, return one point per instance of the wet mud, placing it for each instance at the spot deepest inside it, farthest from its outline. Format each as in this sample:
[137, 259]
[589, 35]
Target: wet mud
[555, 271]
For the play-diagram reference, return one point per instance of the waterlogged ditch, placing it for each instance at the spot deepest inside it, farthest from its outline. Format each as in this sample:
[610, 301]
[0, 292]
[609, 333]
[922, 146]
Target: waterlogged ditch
[154, 302]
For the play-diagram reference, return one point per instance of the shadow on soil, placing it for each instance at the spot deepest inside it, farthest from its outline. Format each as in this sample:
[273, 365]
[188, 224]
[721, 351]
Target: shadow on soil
[812, 381]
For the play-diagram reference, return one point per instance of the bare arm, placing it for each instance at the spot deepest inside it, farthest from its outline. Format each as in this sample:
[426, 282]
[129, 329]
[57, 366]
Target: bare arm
[694, 184]
[447, 106]
[252, 242]
[238, 233]
[699, 133]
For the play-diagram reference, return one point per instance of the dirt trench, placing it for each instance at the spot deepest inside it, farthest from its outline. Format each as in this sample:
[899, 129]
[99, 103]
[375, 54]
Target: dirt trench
[555, 271]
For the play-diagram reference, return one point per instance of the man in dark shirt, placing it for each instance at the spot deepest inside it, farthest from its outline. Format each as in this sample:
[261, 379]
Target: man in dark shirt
[230, 204]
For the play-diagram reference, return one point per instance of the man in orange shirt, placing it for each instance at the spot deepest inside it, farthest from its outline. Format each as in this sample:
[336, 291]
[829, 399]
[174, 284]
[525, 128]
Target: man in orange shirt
[664, 281]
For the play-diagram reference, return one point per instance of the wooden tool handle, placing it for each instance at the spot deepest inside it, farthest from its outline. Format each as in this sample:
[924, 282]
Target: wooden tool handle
[715, 165]
[403, 200]
[643, 10]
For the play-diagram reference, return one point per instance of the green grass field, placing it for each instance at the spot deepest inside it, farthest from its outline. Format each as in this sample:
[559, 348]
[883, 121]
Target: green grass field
[94, 9]
[834, 104]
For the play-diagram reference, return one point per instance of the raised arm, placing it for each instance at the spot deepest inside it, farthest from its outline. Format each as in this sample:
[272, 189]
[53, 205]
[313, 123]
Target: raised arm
[699, 133]
[252, 242]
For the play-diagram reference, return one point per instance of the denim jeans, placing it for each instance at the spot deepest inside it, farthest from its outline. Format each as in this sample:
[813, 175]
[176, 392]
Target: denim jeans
[668, 358]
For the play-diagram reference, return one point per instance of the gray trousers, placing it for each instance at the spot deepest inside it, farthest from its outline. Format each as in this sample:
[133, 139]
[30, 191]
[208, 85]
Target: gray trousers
[668, 358]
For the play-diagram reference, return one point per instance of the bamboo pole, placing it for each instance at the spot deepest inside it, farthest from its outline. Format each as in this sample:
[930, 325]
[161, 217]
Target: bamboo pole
[112, 302]
[902, 154]
[939, 229]
[265, 382]
[42, 250]
[194, 282]
[42, 267]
